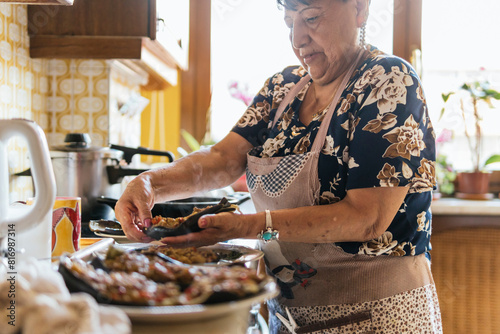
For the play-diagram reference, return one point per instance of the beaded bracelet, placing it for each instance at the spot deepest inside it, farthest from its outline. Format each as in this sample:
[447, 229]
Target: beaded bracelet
[268, 234]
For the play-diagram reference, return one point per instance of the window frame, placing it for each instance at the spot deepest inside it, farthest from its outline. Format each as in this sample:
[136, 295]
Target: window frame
[407, 28]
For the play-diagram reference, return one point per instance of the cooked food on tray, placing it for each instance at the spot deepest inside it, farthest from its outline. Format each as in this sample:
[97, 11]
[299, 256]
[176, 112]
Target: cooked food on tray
[164, 226]
[173, 222]
[117, 287]
[149, 265]
[141, 279]
[188, 255]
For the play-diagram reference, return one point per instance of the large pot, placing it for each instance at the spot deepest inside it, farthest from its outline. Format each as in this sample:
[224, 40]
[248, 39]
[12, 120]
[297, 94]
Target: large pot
[183, 207]
[90, 172]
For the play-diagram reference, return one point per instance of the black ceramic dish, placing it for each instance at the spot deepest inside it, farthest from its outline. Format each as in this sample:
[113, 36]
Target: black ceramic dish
[190, 225]
[184, 207]
[79, 284]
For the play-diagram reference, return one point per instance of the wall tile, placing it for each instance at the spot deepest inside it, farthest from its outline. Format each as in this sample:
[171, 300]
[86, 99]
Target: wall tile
[77, 99]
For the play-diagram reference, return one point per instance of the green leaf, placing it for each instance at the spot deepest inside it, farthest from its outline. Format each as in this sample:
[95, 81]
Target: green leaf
[492, 93]
[190, 140]
[442, 113]
[494, 158]
[446, 96]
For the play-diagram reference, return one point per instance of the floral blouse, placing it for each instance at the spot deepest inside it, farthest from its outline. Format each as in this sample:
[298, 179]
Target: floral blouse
[380, 136]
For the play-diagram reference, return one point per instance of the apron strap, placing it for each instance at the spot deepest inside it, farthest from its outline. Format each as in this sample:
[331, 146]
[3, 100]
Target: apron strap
[325, 123]
[289, 97]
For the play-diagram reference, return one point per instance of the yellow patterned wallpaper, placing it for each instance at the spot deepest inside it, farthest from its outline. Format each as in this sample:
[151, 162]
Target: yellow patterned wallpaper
[77, 99]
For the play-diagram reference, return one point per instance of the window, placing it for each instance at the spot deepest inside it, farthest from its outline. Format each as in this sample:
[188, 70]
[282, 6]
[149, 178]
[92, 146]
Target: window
[250, 43]
[457, 46]
[457, 39]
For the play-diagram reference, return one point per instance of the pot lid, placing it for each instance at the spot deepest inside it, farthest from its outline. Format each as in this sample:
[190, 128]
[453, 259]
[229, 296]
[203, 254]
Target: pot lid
[80, 143]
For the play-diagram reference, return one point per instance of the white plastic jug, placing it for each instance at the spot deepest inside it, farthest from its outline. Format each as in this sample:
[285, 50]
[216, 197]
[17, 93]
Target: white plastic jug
[26, 230]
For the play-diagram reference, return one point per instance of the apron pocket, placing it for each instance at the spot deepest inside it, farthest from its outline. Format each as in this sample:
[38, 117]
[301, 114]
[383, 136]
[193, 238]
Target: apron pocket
[360, 322]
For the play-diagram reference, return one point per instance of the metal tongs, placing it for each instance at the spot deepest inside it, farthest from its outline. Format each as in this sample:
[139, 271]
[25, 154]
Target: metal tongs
[190, 224]
[292, 326]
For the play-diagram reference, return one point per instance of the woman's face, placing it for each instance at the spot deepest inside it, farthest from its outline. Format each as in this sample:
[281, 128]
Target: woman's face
[324, 36]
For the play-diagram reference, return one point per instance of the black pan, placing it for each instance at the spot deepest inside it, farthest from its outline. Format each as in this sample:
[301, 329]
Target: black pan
[184, 207]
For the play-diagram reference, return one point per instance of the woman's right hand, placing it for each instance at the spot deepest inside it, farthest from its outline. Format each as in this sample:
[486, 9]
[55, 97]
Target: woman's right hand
[133, 209]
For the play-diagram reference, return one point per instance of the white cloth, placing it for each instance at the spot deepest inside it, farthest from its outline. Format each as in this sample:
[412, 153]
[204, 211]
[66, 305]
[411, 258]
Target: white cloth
[43, 305]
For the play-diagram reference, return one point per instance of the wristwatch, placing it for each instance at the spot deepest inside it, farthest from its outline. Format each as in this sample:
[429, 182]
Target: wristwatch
[269, 233]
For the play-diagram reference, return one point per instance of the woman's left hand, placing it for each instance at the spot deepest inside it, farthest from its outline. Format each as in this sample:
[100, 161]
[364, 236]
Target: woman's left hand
[215, 228]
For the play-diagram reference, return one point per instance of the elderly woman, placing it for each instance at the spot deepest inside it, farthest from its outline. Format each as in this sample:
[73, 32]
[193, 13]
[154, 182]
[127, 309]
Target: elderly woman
[339, 157]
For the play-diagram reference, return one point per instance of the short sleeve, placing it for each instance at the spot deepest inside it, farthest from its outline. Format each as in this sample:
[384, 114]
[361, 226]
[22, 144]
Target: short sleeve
[392, 142]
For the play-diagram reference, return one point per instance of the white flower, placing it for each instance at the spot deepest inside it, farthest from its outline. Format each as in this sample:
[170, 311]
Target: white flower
[382, 245]
[272, 145]
[390, 89]
[278, 79]
[250, 118]
[328, 197]
[280, 92]
[367, 78]
[424, 224]
[352, 163]
[299, 71]
[328, 146]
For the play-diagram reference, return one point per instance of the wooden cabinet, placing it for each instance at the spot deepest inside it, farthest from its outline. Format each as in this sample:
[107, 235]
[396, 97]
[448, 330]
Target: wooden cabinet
[466, 265]
[107, 29]
[40, 2]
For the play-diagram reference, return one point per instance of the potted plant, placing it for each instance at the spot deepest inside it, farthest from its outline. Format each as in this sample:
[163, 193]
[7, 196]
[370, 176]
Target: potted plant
[471, 97]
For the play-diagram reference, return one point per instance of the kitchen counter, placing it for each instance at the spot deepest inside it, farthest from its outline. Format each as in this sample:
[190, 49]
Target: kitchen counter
[452, 213]
[454, 206]
[465, 263]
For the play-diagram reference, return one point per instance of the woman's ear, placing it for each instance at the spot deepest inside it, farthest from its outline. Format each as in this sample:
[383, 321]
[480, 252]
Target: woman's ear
[362, 9]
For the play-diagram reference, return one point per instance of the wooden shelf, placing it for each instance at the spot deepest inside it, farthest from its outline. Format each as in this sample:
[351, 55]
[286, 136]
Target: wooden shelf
[94, 47]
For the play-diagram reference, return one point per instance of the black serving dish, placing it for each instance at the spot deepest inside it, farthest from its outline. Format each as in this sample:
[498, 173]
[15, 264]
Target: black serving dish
[184, 207]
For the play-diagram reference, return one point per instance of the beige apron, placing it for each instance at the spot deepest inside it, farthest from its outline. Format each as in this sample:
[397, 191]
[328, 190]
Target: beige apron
[310, 274]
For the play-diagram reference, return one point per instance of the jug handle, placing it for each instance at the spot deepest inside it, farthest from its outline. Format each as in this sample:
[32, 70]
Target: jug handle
[43, 174]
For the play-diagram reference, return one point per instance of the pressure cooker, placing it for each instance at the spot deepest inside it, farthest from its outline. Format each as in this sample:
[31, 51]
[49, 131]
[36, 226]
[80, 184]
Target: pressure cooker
[89, 172]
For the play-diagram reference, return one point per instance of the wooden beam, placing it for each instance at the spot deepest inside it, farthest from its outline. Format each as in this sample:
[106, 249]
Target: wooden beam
[195, 82]
[407, 27]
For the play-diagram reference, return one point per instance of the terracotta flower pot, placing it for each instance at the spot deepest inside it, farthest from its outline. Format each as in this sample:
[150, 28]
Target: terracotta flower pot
[473, 182]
